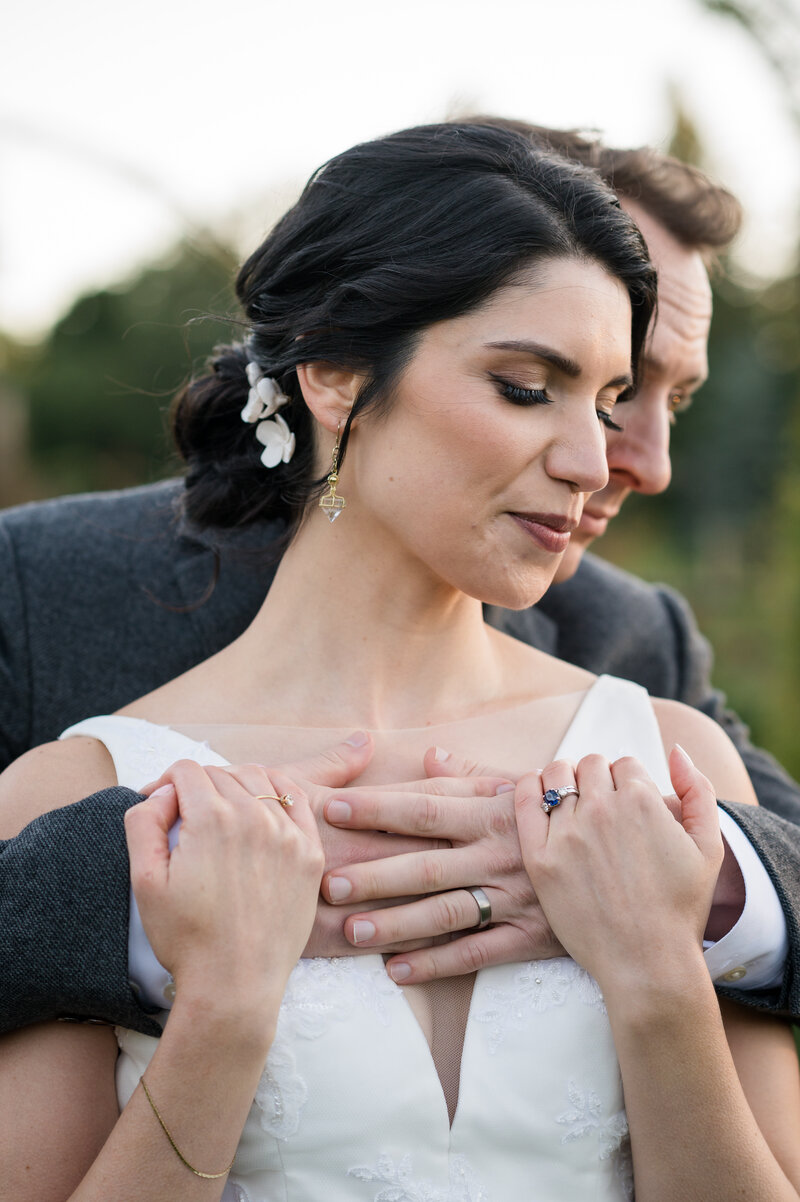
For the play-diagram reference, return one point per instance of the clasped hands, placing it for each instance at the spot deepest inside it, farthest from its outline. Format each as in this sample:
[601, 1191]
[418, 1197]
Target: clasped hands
[399, 859]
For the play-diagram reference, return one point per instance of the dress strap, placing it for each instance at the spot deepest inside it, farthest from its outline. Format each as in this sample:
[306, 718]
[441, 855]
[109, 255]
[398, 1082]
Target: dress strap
[142, 750]
[617, 718]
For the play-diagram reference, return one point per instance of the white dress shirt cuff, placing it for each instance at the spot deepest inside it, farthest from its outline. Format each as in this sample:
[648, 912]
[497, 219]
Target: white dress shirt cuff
[753, 953]
[149, 980]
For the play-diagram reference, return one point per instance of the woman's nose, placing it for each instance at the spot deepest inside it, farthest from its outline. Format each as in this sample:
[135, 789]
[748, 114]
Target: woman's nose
[578, 453]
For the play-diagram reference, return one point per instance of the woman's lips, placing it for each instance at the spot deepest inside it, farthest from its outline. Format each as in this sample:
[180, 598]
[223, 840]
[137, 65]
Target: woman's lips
[550, 531]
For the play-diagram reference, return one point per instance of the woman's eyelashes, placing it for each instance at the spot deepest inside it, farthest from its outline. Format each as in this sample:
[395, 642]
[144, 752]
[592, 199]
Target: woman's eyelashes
[538, 396]
[607, 420]
[522, 396]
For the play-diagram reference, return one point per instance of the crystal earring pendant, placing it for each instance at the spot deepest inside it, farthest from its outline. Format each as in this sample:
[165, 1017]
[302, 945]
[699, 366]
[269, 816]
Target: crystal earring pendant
[330, 502]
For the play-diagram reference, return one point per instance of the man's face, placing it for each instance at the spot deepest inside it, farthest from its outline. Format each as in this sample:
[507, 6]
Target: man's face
[675, 365]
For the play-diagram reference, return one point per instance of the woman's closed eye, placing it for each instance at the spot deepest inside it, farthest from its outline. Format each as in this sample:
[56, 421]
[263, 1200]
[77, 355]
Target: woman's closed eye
[607, 419]
[538, 396]
[522, 396]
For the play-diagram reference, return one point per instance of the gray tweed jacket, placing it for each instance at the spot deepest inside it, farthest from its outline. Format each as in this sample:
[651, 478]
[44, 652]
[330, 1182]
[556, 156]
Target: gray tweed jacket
[104, 597]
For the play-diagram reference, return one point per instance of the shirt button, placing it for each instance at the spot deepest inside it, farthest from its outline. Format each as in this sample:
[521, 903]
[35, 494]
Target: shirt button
[735, 974]
[169, 991]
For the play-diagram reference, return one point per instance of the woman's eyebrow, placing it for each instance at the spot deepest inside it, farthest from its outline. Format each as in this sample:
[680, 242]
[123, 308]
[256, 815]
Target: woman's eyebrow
[568, 366]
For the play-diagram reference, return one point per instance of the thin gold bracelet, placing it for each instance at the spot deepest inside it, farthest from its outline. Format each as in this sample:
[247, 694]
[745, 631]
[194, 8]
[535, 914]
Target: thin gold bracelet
[174, 1146]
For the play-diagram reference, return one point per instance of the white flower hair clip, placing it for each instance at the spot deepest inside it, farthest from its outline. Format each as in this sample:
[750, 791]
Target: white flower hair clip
[265, 399]
[278, 440]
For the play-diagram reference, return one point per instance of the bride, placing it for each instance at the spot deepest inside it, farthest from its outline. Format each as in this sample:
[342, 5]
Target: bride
[438, 334]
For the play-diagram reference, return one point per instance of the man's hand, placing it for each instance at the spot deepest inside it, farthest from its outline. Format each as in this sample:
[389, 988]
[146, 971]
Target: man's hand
[472, 808]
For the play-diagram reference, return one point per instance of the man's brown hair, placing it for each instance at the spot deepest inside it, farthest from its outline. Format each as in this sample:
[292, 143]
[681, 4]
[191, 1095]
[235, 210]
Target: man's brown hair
[697, 212]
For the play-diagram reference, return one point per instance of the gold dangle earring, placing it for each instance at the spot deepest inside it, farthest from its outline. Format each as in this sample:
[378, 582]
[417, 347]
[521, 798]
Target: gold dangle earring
[330, 502]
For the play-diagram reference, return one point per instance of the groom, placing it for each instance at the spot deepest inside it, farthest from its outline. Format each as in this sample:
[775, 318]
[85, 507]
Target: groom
[103, 598]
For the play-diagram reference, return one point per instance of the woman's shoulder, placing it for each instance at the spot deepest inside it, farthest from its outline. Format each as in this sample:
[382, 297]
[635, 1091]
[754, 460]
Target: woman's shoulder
[51, 776]
[708, 745]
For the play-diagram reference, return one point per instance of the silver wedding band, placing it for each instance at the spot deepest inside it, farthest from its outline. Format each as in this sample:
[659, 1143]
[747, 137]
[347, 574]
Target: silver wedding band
[484, 908]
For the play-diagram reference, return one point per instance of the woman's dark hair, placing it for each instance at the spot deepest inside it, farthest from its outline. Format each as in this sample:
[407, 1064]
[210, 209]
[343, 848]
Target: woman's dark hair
[386, 239]
[700, 214]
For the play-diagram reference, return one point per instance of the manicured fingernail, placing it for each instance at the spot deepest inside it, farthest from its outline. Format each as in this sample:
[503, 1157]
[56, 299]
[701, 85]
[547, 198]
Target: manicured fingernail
[685, 754]
[358, 738]
[339, 888]
[362, 931]
[399, 972]
[506, 788]
[440, 755]
[162, 790]
[338, 811]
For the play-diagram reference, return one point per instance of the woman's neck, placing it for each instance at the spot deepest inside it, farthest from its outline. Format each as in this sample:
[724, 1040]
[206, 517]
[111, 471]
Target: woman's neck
[354, 631]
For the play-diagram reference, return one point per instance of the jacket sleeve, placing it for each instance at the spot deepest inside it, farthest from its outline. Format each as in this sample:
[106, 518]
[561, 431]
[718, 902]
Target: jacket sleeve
[775, 789]
[777, 842]
[15, 685]
[64, 903]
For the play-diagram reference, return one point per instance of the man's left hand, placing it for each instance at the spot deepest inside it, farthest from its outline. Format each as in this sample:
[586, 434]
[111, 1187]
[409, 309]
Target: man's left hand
[485, 852]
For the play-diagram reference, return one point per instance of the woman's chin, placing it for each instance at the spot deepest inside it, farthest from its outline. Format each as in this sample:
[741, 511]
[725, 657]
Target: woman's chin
[516, 594]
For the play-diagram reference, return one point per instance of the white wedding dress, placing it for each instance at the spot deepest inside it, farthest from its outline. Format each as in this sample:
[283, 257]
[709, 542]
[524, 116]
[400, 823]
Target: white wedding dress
[350, 1106]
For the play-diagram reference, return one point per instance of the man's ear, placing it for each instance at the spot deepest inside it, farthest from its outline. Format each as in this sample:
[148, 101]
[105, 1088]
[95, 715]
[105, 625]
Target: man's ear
[329, 392]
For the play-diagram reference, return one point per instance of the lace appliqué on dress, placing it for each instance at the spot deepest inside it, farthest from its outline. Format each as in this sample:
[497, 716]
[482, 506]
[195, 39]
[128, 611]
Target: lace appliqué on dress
[584, 1121]
[154, 748]
[537, 986]
[319, 992]
[281, 1094]
[399, 1187]
[234, 1193]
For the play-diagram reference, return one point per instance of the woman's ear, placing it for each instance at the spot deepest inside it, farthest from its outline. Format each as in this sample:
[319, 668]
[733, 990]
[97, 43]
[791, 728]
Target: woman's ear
[329, 392]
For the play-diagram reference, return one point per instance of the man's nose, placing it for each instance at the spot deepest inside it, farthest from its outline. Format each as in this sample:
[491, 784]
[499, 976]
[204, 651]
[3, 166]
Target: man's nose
[639, 453]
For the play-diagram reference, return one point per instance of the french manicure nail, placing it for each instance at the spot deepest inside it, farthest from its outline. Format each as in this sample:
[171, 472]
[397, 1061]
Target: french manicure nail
[399, 972]
[338, 811]
[358, 738]
[362, 931]
[441, 756]
[685, 754]
[504, 788]
[339, 888]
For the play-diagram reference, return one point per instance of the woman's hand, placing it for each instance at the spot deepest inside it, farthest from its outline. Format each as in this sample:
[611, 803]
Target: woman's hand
[626, 885]
[229, 910]
[321, 777]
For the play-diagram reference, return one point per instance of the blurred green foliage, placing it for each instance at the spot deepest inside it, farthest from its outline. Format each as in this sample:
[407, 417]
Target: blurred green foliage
[98, 388]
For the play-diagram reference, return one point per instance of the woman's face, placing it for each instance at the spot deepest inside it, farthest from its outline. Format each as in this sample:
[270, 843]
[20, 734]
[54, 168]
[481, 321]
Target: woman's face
[496, 435]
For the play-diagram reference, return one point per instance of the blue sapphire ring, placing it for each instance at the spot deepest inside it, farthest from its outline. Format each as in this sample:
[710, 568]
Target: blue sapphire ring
[554, 797]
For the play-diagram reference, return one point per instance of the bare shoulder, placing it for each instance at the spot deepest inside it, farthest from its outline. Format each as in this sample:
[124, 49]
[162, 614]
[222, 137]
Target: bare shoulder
[709, 747]
[52, 776]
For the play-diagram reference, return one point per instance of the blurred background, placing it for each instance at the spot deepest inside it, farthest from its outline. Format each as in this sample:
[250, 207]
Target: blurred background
[146, 148]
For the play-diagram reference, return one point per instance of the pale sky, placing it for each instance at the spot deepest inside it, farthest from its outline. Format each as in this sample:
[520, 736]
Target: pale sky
[120, 122]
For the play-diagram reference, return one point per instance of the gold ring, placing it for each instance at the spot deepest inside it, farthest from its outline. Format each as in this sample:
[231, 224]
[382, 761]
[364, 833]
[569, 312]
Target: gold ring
[286, 800]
